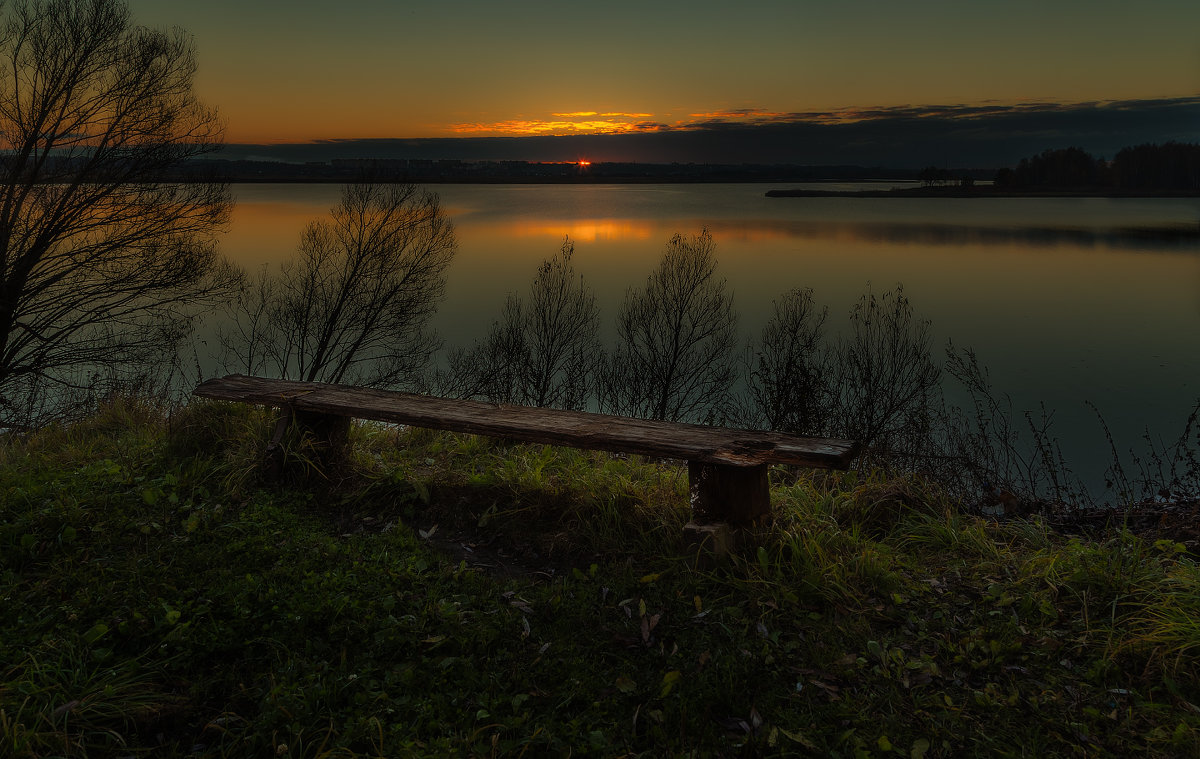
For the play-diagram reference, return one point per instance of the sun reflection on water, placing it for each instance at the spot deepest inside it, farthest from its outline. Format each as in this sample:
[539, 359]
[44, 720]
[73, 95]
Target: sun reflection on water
[583, 230]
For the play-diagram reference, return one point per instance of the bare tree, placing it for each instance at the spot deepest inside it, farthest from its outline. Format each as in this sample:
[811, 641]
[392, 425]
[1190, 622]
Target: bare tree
[562, 323]
[674, 355]
[543, 351]
[886, 381]
[355, 303]
[100, 254]
[788, 371]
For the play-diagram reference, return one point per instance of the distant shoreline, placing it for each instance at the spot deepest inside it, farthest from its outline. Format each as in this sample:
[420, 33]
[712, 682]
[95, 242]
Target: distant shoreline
[985, 191]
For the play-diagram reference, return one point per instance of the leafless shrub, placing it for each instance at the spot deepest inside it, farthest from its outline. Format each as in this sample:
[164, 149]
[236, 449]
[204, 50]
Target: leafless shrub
[787, 377]
[988, 448]
[354, 304]
[674, 355]
[884, 377]
[543, 351]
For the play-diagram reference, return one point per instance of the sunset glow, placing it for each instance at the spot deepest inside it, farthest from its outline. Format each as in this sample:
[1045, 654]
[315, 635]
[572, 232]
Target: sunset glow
[580, 122]
[505, 69]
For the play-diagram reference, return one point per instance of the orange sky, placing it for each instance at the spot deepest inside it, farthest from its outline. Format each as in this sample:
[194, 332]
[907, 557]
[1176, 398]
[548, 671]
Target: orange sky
[298, 71]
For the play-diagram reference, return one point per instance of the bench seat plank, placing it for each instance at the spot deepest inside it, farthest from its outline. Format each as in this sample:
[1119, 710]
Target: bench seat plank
[576, 429]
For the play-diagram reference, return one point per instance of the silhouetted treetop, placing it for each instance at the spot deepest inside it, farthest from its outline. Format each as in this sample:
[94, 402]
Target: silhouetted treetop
[1068, 167]
[1173, 166]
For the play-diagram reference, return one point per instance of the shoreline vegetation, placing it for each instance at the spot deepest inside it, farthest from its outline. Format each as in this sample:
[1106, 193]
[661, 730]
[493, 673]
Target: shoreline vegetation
[450, 595]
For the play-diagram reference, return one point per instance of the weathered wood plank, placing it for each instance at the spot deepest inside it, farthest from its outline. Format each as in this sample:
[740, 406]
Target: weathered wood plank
[576, 429]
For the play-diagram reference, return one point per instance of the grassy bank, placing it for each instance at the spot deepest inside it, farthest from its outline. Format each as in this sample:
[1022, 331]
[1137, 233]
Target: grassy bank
[456, 596]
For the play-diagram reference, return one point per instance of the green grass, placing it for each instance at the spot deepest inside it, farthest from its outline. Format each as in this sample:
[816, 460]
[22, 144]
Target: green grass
[446, 595]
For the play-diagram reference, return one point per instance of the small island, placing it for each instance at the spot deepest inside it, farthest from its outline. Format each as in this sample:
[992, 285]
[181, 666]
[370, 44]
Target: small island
[1143, 171]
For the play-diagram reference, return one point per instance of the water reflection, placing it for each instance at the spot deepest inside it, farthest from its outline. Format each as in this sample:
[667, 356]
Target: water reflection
[582, 230]
[1178, 237]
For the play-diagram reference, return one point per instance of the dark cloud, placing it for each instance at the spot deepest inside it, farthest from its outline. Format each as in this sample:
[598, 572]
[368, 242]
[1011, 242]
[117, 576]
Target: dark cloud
[980, 135]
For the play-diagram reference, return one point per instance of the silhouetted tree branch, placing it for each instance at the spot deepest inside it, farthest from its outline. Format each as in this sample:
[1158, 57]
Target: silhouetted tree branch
[100, 260]
[788, 371]
[674, 355]
[543, 351]
[884, 377]
[354, 304]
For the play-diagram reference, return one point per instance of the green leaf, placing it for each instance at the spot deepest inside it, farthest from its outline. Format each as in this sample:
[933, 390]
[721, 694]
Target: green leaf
[422, 489]
[98, 631]
[668, 682]
[626, 684]
[919, 748]
[883, 743]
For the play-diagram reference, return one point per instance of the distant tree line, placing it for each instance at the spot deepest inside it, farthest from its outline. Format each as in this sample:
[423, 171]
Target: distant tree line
[1171, 166]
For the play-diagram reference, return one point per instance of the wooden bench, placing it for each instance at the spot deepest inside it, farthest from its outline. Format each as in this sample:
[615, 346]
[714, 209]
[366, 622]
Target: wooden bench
[727, 468]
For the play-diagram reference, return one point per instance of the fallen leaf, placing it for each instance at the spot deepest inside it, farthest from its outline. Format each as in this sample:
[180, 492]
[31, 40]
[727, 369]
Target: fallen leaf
[668, 682]
[797, 737]
[733, 724]
[756, 720]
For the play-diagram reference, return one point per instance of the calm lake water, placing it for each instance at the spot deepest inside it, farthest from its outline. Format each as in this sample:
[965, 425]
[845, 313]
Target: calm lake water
[1065, 300]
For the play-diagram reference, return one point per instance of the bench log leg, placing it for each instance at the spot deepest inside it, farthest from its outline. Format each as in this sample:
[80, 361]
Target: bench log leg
[731, 494]
[328, 432]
